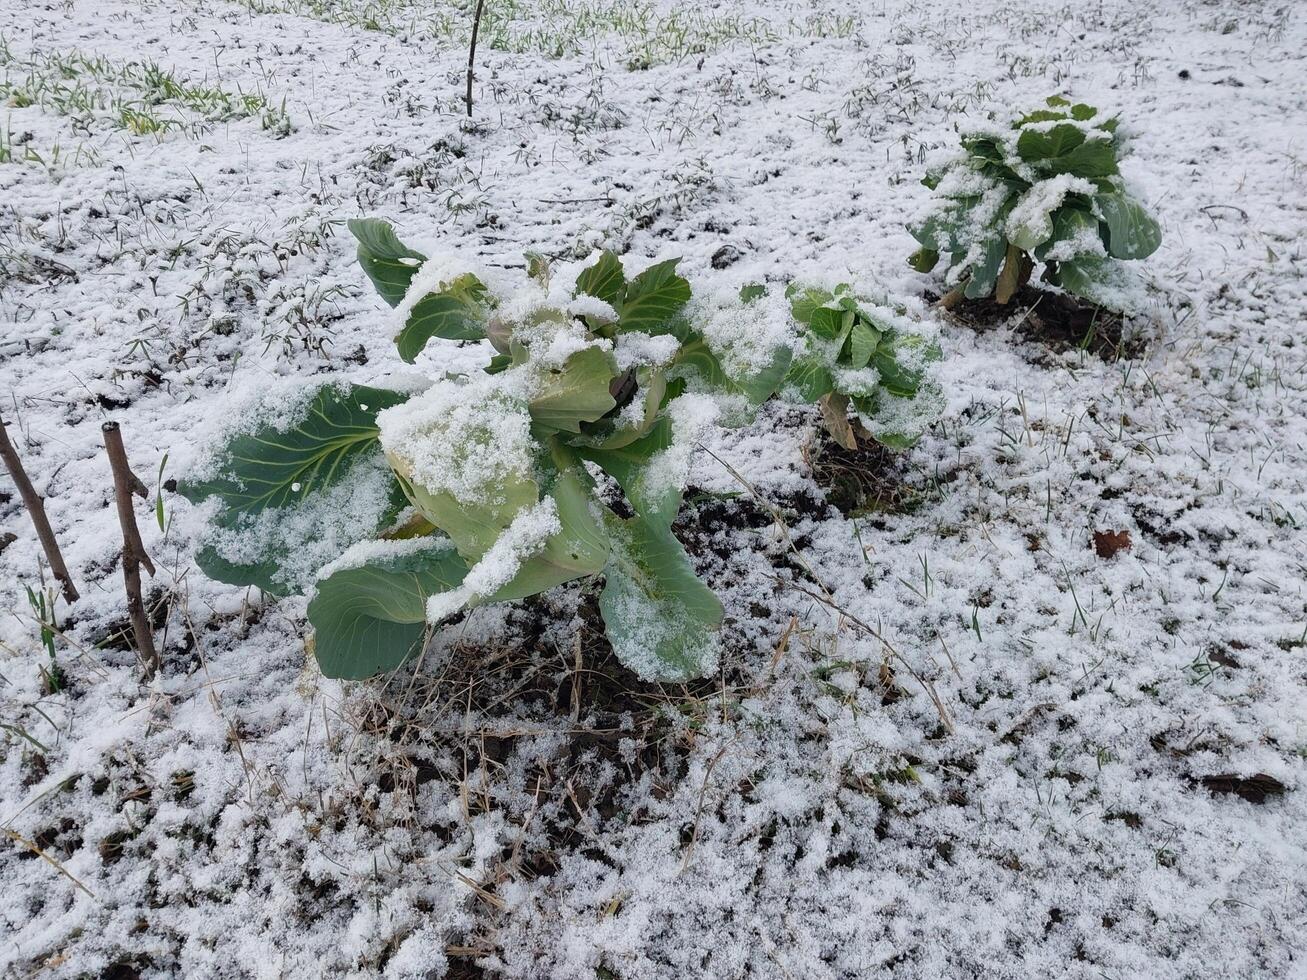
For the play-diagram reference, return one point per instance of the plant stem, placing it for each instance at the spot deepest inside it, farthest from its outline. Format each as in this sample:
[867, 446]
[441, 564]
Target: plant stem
[472, 53]
[125, 483]
[36, 508]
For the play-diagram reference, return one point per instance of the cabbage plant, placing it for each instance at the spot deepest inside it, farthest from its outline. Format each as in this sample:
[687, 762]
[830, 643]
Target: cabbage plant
[396, 511]
[865, 363]
[1042, 190]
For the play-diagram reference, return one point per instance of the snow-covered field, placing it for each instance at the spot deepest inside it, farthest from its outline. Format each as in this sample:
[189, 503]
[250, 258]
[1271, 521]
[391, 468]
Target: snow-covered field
[948, 739]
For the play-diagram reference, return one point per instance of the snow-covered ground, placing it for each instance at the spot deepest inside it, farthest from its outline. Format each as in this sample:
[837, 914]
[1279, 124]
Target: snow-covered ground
[949, 739]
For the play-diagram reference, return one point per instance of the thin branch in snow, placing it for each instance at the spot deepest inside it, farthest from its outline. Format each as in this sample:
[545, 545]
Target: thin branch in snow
[35, 504]
[125, 483]
[472, 53]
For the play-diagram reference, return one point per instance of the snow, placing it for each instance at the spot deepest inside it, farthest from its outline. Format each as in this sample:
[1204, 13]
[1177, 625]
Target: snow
[637, 349]
[521, 540]
[583, 304]
[744, 337]
[1031, 218]
[646, 624]
[380, 550]
[314, 533]
[692, 415]
[461, 438]
[807, 811]
[433, 276]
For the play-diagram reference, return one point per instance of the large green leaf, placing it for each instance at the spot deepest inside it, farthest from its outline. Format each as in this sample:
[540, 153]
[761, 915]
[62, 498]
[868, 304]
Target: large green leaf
[1093, 158]
[578, 549]
[474, 525]
[1069, 224]
[757, 388]
[387, 261]
[983, 148]
[1083, 276]
[1035, 146]
[696, 355]
[923, 259]
[898, 421]
[901, 360]
[1038, 116]
[372, 617]
[654, 298]
[267, 477]
[576, 392]
[265, 572]
[660, 618]
[629, 465]
[805, 301]
[604, 280]
[279, 549]
[1030, 223]
[1131, 231]
[279, 466]
[456, 312]
[862, 343]
[948, 228]
[620, 429]
[984, 273]
[886, 422]
[811, 377]
[1065, 150]
[830, 323]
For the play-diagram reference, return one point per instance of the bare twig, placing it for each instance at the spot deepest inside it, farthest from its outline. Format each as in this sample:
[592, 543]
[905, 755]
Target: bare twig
[953, 297]
[472, 53]
[35, 849]
[36, 508]
[125, 483]
[828, 598]
[698, 812]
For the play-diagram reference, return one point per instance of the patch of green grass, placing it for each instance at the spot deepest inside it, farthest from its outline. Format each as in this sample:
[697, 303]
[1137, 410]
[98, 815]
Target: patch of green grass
[646, 33]
[141, 97]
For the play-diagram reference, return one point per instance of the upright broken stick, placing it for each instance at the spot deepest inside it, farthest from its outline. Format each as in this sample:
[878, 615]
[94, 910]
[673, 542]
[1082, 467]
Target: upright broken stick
[36, 509]
[125, 483]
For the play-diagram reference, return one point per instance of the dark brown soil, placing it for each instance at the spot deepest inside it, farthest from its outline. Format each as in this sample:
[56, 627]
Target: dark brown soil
[1254, 789]
[545, 727]
[1057, 321]
[869, 479]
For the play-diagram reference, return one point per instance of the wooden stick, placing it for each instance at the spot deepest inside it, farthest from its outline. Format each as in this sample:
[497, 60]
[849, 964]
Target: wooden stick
[35, 504]
[472, 53]
[125, 483]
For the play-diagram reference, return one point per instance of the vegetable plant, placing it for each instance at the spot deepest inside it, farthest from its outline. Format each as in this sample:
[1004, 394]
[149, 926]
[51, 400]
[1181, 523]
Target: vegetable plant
[865, 355]
[398, 510]
[1044, 189]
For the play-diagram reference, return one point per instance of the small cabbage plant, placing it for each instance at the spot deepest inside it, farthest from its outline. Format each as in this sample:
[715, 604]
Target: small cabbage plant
[862, 358]
[398, 510]
[1043, 190]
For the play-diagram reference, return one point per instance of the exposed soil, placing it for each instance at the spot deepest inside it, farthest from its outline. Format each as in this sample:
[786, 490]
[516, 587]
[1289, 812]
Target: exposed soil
[869, 479]
[1058, 321]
